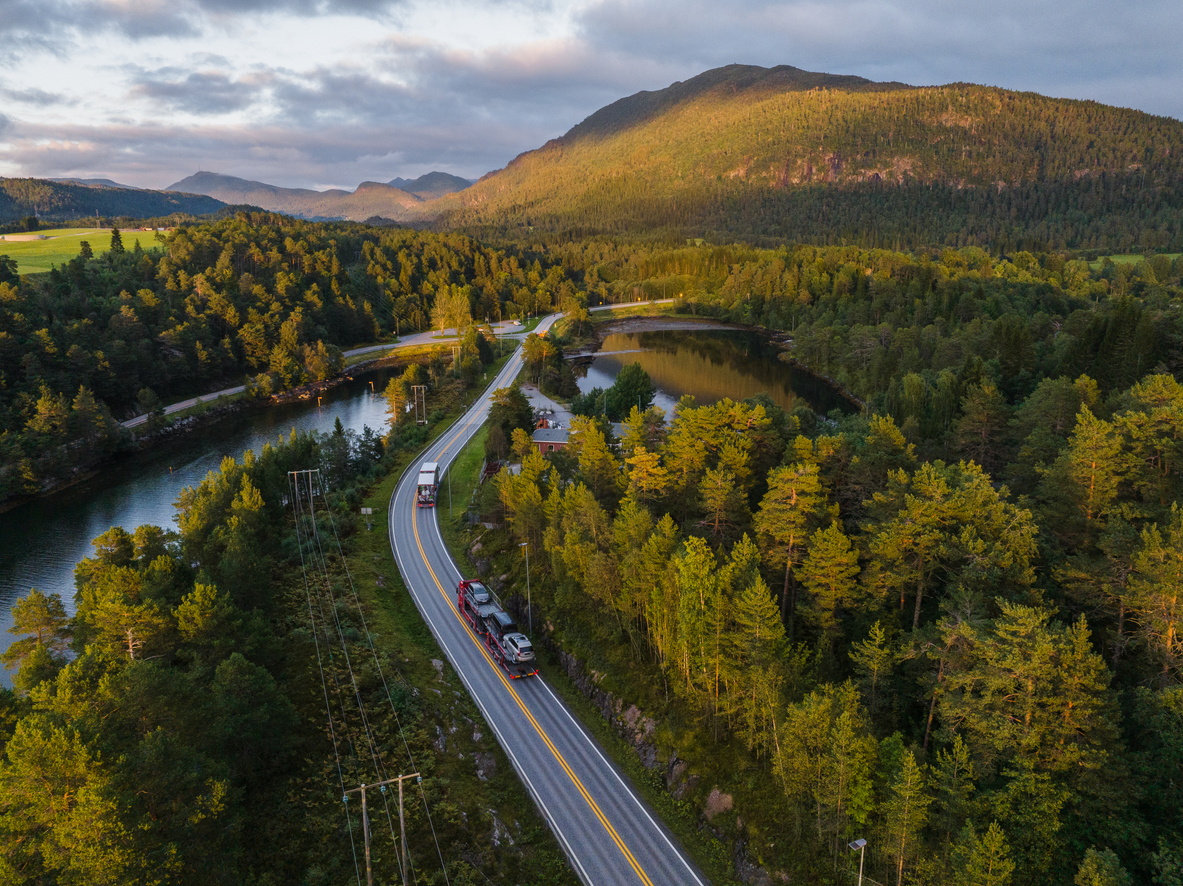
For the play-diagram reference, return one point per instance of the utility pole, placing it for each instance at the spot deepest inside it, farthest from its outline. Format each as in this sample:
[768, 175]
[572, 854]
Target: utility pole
[420, 394]
[529, 603]
[365, 822]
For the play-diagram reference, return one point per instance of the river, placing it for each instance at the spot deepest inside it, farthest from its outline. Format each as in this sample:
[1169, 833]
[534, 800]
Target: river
[42, 541]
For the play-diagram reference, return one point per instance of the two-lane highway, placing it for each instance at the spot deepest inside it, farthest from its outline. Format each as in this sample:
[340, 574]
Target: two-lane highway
[608, 833]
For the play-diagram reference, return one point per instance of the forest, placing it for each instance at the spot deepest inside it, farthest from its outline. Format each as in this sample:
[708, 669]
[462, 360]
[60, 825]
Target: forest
[258, 296]
[199, 717]
[853, 641]
[947, 624]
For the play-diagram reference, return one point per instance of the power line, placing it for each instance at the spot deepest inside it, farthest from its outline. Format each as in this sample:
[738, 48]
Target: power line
[293, 485]
[310, 538]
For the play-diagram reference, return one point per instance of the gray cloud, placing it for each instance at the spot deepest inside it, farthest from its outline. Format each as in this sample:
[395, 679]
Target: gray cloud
[48, 24]
[36, 97]
[406, 104]
[198, 92]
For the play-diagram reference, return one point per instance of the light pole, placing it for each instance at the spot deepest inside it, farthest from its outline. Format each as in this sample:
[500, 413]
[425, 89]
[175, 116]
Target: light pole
[529, 604]
[861, 846]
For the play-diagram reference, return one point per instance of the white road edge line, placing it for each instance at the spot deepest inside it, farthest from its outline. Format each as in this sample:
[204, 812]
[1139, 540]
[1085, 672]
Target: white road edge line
[587, 738]
[567, 848]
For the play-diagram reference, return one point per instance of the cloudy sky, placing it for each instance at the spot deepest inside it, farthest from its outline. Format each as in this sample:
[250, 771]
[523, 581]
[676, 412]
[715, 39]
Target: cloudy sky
[328, 93]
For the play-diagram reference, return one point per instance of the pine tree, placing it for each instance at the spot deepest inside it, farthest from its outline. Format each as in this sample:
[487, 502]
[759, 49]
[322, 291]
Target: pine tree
[873, 660]
[787, 513]
[756, 643]
[985, 860]
[1154, 594]
[906, 813]
[828, 574]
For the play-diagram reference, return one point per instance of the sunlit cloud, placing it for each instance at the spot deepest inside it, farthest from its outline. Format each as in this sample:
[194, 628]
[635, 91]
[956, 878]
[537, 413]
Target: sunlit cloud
[311, 92]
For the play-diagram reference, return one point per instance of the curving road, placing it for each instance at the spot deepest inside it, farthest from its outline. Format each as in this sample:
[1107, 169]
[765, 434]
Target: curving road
[607, 832]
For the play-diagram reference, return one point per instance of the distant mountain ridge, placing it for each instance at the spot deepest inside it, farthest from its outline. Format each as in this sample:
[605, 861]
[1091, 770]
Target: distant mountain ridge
[780, 153]
[431, 185]
[370, 198]
[65, 201]
[385, 199]
[96, 183]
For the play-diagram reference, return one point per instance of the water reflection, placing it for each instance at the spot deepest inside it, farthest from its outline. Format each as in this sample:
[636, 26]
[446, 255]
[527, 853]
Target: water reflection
[711, 365]
[42, 541]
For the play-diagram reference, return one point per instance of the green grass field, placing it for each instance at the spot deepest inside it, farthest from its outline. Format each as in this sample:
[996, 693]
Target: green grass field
[62, 244]
[1129, 259]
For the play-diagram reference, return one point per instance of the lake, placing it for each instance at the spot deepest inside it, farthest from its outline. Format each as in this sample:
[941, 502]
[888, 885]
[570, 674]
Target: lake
[710, 363]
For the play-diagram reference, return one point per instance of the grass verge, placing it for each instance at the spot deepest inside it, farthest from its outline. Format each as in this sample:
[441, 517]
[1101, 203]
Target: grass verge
[482, 784]
[680, 816]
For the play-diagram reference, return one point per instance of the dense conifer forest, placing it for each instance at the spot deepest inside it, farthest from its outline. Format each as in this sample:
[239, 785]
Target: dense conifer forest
[948, 624]
[258, 296]
[766, 155]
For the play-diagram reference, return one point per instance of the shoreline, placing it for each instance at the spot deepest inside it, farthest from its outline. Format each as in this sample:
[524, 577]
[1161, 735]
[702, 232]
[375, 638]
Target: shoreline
[670, 323]
[210, 415]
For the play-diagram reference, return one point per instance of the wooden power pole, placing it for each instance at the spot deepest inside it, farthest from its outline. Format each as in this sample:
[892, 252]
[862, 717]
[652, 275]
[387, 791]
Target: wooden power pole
[419, 392]
[365, 824]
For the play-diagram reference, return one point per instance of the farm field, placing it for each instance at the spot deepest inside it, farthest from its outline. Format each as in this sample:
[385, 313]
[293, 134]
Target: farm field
[1131, 259]
[61, 245]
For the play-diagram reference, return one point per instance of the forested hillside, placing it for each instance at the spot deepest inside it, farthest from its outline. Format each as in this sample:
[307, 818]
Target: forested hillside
[949, 625]
[781, 154]
[63, 201]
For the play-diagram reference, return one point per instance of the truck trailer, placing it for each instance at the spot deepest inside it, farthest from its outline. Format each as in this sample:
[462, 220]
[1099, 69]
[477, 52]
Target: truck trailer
[481, 609]
[428, 482]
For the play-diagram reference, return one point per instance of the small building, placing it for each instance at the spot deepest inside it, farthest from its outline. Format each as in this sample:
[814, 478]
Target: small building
[551, 439]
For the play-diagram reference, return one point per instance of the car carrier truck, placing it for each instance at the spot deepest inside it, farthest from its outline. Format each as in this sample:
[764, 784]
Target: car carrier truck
[489, 621]
[428, 481]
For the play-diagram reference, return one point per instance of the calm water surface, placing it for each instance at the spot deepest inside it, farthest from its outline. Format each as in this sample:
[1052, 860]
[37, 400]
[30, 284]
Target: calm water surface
[41, 542]
[711, 365]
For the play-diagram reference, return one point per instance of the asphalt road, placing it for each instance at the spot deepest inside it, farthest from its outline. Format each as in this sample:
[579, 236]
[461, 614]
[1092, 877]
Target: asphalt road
[608, 833]
[506, 330]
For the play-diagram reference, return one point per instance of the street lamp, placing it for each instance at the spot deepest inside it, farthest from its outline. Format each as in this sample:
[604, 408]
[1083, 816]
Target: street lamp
[529, 605]
[861, 846]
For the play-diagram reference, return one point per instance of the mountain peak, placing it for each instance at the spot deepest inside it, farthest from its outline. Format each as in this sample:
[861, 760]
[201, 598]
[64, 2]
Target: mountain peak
[431, 185]
[641, 107]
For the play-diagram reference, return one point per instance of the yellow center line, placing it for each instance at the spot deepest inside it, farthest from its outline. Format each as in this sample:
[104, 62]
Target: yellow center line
[529, 716]
[518, 699]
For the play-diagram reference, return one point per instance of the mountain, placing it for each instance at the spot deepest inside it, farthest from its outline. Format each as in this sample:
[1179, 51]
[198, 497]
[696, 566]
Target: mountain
[431, 185]
[370, 198]
[96, 183]
[64, 201]
[769, 154]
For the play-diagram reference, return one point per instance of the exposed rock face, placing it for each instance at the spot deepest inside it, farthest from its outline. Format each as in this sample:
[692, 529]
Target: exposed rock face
[486, 766]
[640, 732]
[629, 723]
